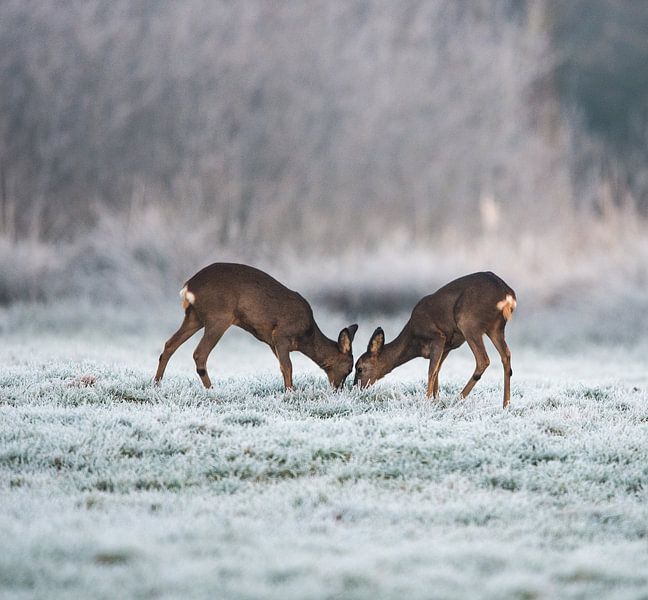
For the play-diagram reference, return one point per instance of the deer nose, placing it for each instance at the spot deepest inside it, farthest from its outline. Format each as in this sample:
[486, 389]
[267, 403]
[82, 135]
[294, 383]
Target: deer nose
[355, 379]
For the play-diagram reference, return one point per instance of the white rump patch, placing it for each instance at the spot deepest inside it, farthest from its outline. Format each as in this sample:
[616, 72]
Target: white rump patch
[508, 301]
[187, 297]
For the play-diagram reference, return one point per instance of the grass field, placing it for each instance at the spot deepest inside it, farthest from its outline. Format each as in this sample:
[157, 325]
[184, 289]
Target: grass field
[118, 489]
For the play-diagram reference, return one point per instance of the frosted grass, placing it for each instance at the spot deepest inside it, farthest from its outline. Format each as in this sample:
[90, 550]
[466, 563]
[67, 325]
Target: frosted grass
[246, 491]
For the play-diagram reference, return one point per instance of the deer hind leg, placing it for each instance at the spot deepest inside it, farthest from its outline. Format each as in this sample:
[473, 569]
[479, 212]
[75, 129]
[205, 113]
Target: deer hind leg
[213, 333]
[476, 344]
[189, 326]
[437, 355]
[282, 352]
[497, 337]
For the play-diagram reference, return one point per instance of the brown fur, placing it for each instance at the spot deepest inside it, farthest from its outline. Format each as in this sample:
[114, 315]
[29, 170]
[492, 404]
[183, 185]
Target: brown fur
[461, 311]
[225, 294]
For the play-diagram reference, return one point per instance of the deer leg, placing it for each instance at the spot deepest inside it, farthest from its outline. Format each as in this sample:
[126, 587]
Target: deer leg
[435, 383]
[189, 326]
[283, 354]
[497, 337]
[213, 333]
[476, 344]
[436, 357]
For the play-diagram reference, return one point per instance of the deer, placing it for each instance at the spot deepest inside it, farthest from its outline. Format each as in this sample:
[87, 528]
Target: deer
[461, 311]
[225, 294]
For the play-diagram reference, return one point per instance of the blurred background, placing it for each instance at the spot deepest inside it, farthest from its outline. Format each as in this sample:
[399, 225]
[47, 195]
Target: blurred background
[364, 152]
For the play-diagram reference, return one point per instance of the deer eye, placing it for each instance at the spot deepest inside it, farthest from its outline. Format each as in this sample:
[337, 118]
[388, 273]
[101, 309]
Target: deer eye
[358, 370]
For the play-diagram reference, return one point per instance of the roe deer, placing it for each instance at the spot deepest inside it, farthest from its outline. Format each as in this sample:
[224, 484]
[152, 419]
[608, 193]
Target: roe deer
[462, 310]
[225, 294]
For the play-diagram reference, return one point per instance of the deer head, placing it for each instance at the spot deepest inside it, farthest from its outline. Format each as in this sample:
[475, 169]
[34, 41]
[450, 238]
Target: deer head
[339, 366]
[370, 368]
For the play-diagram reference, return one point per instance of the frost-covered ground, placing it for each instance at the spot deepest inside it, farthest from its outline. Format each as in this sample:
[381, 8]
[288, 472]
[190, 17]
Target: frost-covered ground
[118, 489]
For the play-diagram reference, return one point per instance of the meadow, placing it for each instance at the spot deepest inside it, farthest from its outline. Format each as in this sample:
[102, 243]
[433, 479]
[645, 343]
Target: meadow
[364, 154]
[110, 487]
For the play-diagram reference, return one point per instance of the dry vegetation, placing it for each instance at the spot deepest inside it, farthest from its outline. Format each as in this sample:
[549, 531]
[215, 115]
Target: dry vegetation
[320, 141]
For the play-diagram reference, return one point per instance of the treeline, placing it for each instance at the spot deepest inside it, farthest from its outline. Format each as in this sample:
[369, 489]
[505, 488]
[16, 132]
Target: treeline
[316, 123]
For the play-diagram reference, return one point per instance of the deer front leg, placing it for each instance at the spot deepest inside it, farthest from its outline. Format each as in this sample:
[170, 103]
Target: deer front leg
[436, 358]
[283, 354]
[435, 385]
[476, 344]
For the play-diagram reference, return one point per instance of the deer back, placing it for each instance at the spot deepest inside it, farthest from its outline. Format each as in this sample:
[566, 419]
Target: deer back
[251, 298]
[472, 302]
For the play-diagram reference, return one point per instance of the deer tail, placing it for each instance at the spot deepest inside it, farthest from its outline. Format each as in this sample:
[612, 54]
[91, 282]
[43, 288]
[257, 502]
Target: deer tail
[507, 306]
[186, 298]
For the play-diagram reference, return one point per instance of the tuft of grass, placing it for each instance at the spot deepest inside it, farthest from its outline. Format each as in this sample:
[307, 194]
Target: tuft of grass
[245, 419]
[112, 558]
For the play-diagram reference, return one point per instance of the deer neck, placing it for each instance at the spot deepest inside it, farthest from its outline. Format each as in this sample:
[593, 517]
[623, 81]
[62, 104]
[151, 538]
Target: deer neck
[320, 349]
[400, 350]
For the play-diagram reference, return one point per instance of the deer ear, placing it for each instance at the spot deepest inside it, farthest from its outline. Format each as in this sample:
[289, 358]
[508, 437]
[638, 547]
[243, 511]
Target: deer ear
[376, 342]
[352, 330]
[344, 341]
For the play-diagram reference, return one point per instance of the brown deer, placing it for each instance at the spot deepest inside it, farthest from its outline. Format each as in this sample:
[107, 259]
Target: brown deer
[461, 311]
[225, 294]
